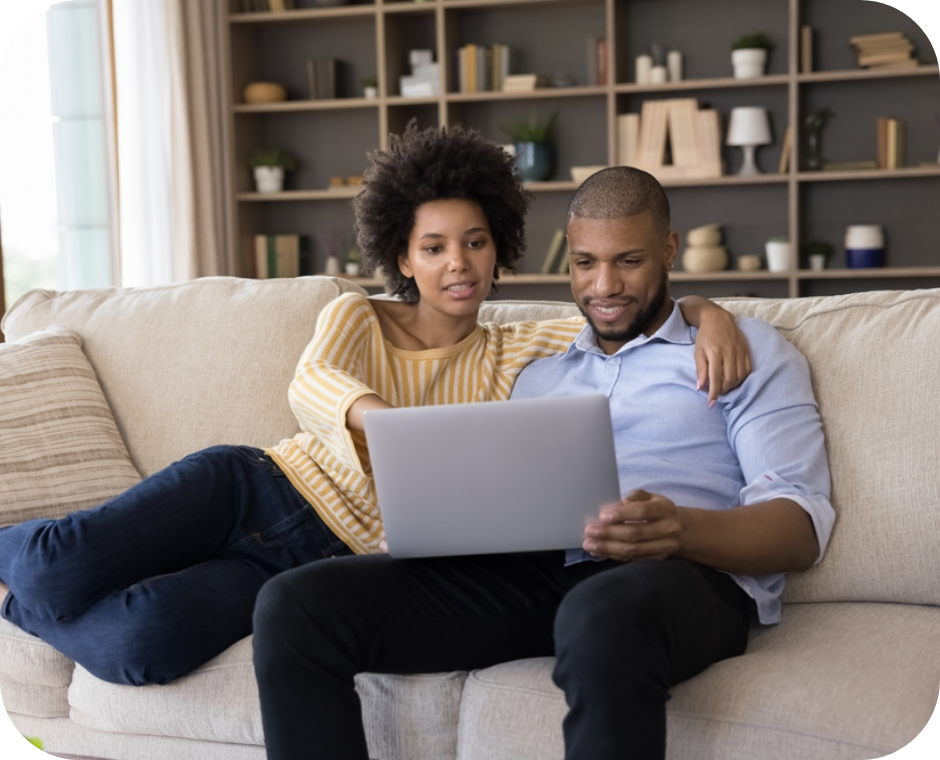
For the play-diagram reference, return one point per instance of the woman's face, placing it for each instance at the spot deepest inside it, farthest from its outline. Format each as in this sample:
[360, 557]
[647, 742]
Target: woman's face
[451, 256]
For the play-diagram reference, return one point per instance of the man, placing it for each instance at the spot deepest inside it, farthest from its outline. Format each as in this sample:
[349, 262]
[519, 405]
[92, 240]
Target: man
[656, 593]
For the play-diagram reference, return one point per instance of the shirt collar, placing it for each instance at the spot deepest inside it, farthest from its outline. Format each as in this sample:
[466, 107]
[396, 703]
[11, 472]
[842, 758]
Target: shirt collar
[674, 330]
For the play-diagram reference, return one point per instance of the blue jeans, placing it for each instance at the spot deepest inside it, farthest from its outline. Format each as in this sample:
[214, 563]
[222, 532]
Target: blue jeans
[160, 579]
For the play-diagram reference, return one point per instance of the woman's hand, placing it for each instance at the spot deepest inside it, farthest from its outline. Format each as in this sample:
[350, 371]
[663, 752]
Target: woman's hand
[362, 405]
[722, 354]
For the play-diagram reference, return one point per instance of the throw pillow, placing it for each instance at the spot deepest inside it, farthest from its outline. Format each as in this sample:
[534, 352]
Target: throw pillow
[60, 450]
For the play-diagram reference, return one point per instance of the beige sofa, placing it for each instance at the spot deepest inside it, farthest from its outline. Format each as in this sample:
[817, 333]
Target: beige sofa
[851, 672]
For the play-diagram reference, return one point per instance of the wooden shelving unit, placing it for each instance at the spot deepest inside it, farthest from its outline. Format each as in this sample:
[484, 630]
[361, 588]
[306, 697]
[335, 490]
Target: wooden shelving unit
[333, 137]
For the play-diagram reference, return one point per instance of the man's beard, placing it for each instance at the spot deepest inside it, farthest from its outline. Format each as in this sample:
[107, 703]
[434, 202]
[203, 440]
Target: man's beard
[644, 318]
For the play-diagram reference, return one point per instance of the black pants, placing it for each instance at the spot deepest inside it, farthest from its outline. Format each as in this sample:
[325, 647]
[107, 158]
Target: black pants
[622, 633]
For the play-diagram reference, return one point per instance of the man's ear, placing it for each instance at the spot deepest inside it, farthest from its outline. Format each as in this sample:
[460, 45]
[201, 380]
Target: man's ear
[671, 249]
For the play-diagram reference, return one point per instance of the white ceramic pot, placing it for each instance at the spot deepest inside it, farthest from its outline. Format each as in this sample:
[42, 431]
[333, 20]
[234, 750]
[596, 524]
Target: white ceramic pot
[370, 93]
[352, 268]
[778, 255]
[748, 63]
[817, 261]
[269, 179]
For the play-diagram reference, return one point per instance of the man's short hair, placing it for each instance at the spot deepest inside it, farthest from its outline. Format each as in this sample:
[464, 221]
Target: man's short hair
[618, 192]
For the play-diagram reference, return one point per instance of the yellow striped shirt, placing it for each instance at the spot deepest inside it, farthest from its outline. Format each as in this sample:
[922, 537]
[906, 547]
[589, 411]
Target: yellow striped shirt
[348, 358]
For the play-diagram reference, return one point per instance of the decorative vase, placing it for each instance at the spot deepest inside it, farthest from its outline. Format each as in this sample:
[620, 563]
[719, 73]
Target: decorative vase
[748, 63]
[778, 255]
[535, 162]
[269, 179]
[332, 265]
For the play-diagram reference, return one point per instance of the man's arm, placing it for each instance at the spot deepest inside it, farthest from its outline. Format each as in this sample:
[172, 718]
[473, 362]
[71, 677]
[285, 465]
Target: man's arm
[758, 539]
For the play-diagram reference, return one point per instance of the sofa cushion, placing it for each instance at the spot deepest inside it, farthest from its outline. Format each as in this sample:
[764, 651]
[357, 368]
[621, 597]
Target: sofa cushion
[406, 717]
[190, 365]
[874, 359]
[840, 681]
[34, 677]
[59, 448]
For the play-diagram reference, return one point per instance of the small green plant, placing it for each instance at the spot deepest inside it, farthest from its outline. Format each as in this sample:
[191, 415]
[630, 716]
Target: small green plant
[271, 157]
[533, 129]
[819, 247]
[779, 239]
[752, 41]
[353, 256]
[370, 81]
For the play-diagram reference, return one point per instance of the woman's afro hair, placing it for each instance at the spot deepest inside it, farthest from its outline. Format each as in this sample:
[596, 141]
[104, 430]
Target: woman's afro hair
[424, 165]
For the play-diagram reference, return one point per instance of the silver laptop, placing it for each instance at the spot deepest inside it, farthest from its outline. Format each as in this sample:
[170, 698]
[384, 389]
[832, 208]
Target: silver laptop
[498, 476]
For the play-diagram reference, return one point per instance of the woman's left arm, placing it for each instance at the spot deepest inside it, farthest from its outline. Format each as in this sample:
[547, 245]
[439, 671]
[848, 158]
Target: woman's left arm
[722, 355]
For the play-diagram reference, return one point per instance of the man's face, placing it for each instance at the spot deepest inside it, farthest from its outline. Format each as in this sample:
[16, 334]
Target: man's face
[619, 275]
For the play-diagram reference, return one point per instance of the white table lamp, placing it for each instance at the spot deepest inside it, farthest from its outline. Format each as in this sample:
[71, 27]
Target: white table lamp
[748, 128]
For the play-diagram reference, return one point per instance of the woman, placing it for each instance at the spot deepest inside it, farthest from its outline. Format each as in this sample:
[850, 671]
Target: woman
[153, 583]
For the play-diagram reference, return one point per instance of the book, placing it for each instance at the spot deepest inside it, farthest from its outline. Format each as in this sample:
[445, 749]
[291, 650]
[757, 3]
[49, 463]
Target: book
[875, 59]
[564, 263]
[895, 144]
[524, 82]
[786, 150]
[602, 58]
[628, 135]
[806, 49]
[682, 132]
[708, 134]
[554, 248]
[282, 256]
[863, 39]
[470, 62]
[651, 150]
[881, 132]
[325, 78]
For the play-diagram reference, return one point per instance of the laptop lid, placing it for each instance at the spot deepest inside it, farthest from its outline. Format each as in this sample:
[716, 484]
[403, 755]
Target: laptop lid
[490, 477]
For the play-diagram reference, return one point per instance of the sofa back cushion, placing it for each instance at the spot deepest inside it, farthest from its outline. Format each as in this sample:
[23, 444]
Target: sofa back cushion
[190, 365]
[874, 359]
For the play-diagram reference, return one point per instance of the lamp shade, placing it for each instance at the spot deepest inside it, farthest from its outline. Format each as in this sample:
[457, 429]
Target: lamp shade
[748, 125]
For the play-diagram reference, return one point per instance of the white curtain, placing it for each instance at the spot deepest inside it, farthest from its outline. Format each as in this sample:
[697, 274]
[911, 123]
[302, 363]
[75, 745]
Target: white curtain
[171, 135]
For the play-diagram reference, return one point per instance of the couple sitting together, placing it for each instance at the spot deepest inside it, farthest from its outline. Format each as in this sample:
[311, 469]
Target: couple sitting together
[727, 484]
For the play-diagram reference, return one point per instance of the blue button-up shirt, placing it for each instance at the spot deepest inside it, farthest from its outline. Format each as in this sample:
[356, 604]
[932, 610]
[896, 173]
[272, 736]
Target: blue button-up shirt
[761, 441]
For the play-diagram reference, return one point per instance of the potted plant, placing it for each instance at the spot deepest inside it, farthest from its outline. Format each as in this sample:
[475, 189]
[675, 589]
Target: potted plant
[778, 254]
[818, 251]
[534, 144]
[353, 258]
[370, 87]
[749, 55]
[269, 165]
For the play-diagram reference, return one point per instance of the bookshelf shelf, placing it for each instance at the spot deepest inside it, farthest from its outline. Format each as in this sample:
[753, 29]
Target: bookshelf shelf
[332, 137]
[853, 75]
[287, 106]
[302, 14]
[909, 172]
[772, 80]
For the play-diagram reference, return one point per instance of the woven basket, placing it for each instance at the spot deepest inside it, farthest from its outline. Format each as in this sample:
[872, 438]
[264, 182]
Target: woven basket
[710, 258]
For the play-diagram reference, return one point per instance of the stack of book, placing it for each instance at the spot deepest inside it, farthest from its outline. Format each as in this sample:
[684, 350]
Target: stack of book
[525, 82]
[325, 78]
[890, 50]
[671, 139]
[478, 68]
[282, 256]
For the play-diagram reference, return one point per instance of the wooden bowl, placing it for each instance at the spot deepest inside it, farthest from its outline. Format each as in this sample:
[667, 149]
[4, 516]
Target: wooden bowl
[264, 92]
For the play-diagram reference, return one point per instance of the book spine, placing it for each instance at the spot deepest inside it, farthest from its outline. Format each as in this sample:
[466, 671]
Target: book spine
[591, 52]
[806, 49]
[891, 131]
[602, 65]
[261, 257]
[272, 256]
